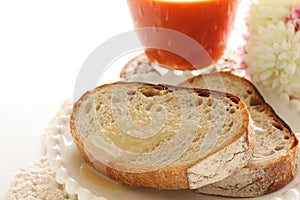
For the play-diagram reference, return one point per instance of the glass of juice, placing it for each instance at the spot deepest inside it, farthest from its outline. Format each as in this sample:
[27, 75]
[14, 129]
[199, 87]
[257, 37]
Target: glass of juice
[207, 22]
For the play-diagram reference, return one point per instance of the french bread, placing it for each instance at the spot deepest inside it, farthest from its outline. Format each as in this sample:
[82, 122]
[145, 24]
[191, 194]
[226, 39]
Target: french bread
[276, 155]
[162, 136]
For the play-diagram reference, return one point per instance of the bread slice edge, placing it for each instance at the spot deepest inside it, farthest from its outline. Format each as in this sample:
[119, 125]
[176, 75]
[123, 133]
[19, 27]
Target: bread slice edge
[262, 179]
[181, 177]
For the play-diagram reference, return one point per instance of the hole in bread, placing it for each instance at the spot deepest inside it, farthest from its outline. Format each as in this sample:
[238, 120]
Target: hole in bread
[158, 87]
[149, 106]
[279, 148]
[88, 107]
[245, 96]
[97, 107]
[138, 106]
[131, 92]
[255, 102]
[232, 110]
[204, 93]
[234, 99]
[286, 137]
[158, 109]
[130, 98]
[268, 153]
[249, 92]
[151, 91]
[209, 102]
[277, 125]
[228, 126]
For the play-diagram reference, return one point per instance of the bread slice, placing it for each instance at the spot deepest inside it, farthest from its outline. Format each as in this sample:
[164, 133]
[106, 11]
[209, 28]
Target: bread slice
[162, 136]
[276, 155]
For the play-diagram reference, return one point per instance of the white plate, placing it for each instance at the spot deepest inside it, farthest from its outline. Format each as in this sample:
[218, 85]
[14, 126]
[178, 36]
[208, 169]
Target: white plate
[66, 161]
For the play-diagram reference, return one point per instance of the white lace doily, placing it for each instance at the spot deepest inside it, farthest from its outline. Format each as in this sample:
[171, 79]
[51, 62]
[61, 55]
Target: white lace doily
[37, 181]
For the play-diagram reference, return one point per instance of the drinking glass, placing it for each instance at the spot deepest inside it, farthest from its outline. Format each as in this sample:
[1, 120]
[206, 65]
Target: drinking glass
[207, 23]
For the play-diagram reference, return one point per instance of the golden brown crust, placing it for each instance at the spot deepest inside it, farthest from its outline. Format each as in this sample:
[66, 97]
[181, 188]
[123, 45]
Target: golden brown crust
[166, 178]
[73, 129]
[276, 173]
[282, 171]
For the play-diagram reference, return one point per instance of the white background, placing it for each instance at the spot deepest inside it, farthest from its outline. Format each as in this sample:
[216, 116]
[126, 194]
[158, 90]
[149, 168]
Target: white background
[43, 44]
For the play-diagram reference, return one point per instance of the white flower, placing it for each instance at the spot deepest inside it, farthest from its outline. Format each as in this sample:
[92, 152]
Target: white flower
[273, 57]
[263, 12]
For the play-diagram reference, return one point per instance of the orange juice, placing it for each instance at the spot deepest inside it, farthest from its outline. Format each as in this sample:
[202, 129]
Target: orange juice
[209, 22]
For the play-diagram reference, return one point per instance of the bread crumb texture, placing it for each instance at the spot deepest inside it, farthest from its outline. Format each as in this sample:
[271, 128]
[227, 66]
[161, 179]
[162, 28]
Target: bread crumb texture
[190, 125]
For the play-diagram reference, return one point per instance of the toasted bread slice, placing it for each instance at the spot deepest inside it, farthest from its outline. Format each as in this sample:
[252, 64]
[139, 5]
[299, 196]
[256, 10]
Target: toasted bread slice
[276, 155]
[161, 136]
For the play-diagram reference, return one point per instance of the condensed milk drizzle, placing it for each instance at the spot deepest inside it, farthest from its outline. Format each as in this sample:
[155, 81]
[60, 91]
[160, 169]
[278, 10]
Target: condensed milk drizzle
[99, 180]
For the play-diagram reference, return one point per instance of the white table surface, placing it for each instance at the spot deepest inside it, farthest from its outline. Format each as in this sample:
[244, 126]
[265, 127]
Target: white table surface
[43, 44]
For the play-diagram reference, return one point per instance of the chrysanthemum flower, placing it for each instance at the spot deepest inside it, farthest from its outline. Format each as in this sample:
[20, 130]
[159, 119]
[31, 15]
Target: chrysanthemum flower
[273, 57]
[263, 12]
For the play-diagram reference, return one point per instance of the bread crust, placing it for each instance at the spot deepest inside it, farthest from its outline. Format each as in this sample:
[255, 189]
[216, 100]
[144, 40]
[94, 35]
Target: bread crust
[261, 179]
[168, 177]
[272, 177]
[258, 179]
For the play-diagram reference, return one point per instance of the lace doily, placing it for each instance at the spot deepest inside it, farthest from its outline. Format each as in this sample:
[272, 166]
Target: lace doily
[37, 181]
